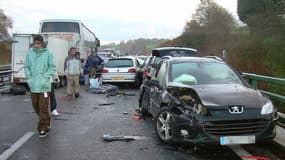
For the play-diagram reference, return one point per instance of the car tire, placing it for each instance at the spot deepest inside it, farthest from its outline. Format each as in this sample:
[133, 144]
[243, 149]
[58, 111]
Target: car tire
[145, 104]
[162, 125]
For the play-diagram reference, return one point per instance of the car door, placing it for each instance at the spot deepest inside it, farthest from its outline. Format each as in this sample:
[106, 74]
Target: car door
[155, 91]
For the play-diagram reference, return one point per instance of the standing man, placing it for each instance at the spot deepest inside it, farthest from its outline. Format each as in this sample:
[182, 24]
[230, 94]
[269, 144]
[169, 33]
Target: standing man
[39, 68]
[72, 68]
[95, 65]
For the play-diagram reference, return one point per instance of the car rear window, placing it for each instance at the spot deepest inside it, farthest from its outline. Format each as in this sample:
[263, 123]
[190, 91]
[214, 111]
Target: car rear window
[174, 53]
[117, 63]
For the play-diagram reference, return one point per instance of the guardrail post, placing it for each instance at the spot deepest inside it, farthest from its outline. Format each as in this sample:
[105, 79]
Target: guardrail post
[253, 83]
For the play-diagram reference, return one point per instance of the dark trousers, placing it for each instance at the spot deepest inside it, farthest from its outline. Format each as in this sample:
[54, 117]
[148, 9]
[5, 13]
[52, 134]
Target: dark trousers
[93, 73]
[40, 105]
[53, 103]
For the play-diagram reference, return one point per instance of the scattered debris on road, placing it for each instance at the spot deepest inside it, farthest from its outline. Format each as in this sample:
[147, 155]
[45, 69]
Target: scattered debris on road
[65, 97]
[62, 119]
[119, 93]
[27, 100]
[138, 115]
[111, 138]
[106, 88]
[106, 104]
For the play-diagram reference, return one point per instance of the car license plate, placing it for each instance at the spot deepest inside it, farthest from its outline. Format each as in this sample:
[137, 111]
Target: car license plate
[118, 78]
[228, 140]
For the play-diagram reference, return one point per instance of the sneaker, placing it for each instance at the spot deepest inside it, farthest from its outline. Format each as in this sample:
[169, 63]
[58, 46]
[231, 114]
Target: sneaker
[42, 134]
[77, 95]
[55, 113]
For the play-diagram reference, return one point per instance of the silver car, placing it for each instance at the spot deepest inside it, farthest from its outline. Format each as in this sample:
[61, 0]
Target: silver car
[122, 69]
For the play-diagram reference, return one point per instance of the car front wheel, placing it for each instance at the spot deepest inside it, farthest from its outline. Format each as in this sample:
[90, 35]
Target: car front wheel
[163, 128]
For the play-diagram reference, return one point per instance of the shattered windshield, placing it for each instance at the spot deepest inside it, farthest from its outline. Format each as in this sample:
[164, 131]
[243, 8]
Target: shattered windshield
[195, 73]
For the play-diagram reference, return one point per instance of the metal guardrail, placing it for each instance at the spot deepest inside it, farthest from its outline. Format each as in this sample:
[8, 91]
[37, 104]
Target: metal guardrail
[280, 81]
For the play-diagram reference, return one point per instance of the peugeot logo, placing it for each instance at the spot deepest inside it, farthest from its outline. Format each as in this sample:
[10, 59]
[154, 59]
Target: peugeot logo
[236, 109]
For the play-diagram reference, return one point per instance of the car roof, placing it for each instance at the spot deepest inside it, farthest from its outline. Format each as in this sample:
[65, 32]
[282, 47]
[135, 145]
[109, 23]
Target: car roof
[194, 59]
[125, 57]
[170, 48]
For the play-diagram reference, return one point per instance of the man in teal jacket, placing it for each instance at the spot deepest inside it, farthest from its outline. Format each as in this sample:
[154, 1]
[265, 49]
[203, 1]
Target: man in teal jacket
[39, 68]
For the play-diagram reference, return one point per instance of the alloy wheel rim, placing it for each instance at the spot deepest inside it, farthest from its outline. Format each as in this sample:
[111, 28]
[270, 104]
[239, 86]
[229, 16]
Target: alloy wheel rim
[163, 127]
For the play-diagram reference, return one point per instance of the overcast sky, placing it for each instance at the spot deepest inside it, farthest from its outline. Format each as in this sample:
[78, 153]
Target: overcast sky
[110, 20]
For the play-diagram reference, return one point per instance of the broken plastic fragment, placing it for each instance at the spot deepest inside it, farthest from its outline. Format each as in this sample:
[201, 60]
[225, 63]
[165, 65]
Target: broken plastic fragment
[106, 104]
[110, 138]
[137, 117]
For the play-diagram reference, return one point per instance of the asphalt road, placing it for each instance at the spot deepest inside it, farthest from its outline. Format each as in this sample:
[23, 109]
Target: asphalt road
[77, 133]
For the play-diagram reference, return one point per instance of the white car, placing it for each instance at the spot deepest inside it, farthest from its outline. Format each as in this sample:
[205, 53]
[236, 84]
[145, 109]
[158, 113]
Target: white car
[122, 69]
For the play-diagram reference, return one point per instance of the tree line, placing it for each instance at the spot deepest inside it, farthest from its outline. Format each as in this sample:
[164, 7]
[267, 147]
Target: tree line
[5, 43]
[255, 44]
[140, 46]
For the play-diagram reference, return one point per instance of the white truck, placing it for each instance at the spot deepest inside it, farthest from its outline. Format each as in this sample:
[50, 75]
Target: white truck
[59, 35]
[21, 45]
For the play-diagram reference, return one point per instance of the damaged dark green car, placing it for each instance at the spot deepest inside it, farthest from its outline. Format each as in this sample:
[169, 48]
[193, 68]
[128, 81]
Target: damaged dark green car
[203, 101]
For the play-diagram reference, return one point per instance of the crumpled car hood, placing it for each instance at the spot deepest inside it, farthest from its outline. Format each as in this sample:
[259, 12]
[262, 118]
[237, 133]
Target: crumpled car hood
[223, 95]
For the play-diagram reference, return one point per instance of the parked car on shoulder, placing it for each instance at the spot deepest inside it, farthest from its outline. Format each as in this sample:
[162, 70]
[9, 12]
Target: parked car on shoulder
[204, 100]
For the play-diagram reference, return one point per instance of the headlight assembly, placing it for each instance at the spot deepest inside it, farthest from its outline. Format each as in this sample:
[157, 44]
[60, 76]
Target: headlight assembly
[267, 108]
[200, 109]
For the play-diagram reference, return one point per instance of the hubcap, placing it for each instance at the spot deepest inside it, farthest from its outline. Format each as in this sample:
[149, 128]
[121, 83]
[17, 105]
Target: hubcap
[163, 127]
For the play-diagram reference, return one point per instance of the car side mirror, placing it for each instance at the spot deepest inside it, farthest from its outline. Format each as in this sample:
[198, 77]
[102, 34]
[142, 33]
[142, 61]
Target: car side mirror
[155, 83]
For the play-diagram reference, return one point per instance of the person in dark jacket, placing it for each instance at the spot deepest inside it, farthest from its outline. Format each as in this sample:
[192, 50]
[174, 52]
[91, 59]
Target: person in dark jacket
[95, 65]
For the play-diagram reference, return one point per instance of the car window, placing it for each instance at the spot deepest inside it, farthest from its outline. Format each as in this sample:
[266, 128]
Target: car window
[203, 73]
[174, 52]
[161, 74]
[139, 61]
[116, 63]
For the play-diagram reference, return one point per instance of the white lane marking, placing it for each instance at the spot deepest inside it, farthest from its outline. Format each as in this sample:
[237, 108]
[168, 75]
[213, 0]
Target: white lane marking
[5, 155]
[241, 152]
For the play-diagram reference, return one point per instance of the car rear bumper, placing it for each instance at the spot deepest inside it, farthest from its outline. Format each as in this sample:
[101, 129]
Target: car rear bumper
[116, 77]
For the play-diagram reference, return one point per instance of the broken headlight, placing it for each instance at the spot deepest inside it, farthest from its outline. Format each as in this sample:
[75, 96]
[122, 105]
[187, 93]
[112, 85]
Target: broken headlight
[267, 108]
[200, 109]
